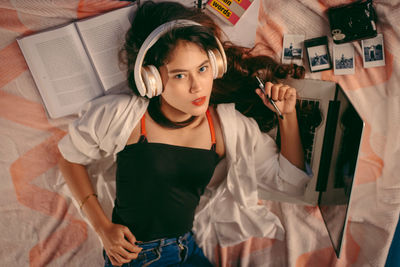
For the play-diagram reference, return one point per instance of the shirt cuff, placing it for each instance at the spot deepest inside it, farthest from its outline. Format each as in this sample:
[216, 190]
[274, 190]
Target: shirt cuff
[70, 153]
[292, 174]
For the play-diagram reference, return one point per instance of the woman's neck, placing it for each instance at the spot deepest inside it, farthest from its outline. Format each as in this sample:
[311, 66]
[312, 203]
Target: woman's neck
[173, 114]
[177, 116]
[164, 120]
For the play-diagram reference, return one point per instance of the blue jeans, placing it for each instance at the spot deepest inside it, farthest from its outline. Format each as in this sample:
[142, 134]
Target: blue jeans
[180, 251]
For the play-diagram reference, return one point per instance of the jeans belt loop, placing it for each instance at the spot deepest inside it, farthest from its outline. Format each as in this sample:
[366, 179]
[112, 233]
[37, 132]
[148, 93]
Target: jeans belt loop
[161, 243]
[184, 237]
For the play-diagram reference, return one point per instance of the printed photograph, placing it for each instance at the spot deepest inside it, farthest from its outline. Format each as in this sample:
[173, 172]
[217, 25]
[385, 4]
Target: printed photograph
[319, 58]
[343, 55]
[292, 51]
[373, 52]
[318, 54]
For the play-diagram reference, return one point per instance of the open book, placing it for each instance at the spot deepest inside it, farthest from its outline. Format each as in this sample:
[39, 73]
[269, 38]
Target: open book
[75, 63]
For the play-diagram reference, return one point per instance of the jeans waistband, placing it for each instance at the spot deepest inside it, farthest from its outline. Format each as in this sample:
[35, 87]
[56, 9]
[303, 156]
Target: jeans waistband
[165, 241]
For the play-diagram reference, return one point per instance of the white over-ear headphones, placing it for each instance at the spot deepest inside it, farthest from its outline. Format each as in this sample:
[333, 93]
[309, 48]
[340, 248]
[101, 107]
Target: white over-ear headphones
[148, 79]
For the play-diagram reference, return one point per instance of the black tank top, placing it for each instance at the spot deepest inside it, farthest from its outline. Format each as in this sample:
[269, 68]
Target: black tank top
[158, 186]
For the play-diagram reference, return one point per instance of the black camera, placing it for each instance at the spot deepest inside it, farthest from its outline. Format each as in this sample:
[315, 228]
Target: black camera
[352, 22]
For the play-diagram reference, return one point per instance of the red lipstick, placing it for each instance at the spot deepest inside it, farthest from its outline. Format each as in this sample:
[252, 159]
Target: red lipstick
[199, 101]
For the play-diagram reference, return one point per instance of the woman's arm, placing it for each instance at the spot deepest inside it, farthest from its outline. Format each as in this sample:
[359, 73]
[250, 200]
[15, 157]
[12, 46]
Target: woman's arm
[291, 147]
[285, 99]
[118, 241]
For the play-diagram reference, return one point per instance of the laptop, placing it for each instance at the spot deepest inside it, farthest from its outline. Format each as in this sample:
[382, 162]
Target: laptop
[332, 135]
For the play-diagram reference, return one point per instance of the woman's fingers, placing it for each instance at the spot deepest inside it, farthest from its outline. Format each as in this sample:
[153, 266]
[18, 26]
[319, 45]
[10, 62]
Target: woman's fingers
[128, 249]
[130, 246]
[283, 95]
[268, 88]
[282, 92]
[116, 260]
[126, 255]
[119, 244]
[275, 89]
[120, 256]
[279, 92]
[290, 92]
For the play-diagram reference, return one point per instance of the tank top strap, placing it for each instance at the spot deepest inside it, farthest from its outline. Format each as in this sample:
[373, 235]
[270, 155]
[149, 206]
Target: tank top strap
[143, 136]
[212, 131]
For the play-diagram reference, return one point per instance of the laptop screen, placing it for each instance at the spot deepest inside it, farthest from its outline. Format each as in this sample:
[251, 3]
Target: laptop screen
[345, 127]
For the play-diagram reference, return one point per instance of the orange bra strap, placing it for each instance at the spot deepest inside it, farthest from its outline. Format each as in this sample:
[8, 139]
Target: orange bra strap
[143, 126]
[210, 123]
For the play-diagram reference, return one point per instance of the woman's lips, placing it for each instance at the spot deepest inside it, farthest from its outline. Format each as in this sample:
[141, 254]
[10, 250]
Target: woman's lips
[199, 101]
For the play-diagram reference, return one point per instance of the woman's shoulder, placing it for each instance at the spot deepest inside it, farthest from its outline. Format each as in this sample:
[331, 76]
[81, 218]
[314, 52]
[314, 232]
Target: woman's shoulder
[104, 124]
[112, 105]
[113, 101]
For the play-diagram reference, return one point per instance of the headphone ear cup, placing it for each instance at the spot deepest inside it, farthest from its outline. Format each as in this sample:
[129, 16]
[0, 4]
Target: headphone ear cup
[152, 81]
[217, 63]
[157, 90]
[213, 63]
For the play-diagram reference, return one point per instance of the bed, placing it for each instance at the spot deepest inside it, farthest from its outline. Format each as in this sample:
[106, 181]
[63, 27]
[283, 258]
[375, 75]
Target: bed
[41, 225]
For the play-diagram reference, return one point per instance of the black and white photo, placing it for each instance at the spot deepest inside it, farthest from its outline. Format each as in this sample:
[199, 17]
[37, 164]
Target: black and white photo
[343, 59]
[373, 52]
[292, 51]
[318, 54]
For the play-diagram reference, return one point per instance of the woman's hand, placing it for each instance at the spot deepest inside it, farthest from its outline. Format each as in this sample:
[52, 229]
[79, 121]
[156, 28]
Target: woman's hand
[119, 244]
[285, 99]
[283, 95]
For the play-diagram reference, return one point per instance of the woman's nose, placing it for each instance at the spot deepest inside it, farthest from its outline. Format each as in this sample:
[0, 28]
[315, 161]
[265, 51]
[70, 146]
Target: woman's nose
[195, 84]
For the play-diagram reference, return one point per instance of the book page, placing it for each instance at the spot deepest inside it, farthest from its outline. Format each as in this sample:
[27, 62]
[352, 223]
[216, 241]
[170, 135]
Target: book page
[61, 69]
[104, 37]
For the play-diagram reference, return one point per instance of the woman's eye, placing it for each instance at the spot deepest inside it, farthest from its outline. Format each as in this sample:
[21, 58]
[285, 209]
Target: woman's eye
[203, 69]
[179, 76]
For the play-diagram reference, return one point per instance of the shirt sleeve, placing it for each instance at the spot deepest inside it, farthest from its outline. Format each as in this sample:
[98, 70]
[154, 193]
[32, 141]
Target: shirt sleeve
[256, 158]
[102, 128]
[275, 172]
[252, 162]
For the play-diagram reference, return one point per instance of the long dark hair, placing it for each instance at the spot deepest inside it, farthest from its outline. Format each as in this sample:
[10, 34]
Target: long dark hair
[236, 86]
[239, 83]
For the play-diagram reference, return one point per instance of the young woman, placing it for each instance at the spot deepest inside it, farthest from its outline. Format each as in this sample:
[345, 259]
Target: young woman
[170, 135]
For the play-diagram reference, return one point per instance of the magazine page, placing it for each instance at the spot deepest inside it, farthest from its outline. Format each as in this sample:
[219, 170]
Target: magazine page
[61, 69]
[103, 37]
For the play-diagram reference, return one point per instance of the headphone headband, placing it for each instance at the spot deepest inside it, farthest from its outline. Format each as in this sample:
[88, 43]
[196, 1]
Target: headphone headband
[153, 37]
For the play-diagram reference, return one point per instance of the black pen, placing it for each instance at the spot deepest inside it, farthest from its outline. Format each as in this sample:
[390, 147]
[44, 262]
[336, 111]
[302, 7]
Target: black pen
[262, 87]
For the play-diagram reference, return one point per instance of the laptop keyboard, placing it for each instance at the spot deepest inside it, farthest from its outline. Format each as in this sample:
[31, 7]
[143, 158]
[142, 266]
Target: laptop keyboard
[309, 119]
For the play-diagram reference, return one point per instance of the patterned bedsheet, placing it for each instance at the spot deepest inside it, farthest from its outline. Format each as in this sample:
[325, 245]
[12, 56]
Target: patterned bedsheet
[41, 226]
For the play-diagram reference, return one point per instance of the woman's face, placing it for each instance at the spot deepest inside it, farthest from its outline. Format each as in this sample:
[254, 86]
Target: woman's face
[187, 80]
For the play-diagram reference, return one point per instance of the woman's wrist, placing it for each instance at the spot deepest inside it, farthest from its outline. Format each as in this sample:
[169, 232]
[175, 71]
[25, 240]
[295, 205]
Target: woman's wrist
[288, 120]
[291, 146]
[98, 219]
[101, 226]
